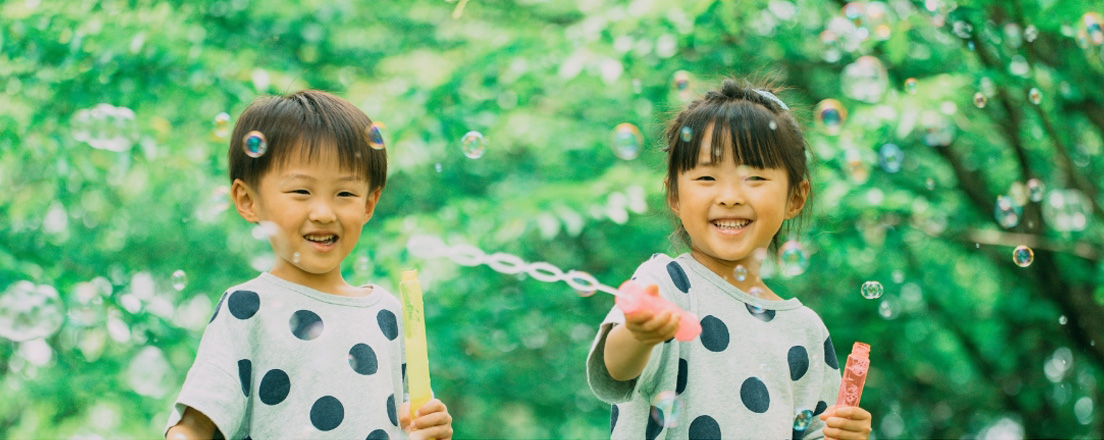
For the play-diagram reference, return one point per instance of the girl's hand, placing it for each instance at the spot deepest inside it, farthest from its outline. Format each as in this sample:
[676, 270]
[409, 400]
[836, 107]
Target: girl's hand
[846, 423]
[651, 329]
[432, 421]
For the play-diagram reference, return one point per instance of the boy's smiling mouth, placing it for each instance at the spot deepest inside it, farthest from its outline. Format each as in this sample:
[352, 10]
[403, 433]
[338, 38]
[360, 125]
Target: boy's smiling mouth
[322, 239]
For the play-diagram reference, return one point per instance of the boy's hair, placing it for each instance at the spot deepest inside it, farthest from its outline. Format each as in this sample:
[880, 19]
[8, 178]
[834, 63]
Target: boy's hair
[300, 126]
[757, 126]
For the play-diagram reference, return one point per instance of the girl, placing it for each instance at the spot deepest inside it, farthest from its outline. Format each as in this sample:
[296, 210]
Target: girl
[763, 367]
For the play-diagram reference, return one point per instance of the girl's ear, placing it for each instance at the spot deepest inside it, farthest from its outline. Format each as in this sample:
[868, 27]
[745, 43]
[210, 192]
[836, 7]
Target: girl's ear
[245, 200]
[672, 197]
[797, 199]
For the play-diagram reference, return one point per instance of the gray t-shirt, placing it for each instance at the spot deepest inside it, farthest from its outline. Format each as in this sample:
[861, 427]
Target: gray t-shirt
[281, 360]
[757, 365]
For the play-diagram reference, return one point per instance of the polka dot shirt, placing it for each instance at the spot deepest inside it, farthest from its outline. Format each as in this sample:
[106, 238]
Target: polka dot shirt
[280, 360]
[757, 366]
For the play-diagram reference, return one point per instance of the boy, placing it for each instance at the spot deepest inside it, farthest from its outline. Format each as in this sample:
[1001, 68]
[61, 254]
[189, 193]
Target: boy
[297, 351]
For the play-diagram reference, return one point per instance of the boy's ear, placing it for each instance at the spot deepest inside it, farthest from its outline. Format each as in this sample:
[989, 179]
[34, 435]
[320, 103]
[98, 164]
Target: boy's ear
[373, 199]
[245, 200]
[797, 199]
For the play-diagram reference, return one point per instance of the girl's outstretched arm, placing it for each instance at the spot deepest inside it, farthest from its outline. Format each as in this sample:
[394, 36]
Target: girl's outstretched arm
[846, 423]
[629, 346]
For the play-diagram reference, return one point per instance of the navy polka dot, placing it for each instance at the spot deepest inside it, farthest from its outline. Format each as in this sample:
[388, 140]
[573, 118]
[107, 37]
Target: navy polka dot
[219, 306]
[306, 325]
[799, 361]
[754, 394]
[274, 388]
[678, 276]
[363, 359]
[388, 324]
[821, 406]
[404, 370]
[378, 434]
[243, 304]
[245, 373]
[391, 412]
[797, 435]
[705, 428]
[680, 383]
[327, 413]
[714, 335]
[765, 315]
[830, 354]
[614, 411]
[653, 429]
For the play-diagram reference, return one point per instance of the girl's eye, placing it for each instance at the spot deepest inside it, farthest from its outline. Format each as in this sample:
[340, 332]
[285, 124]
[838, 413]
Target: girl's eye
[705, 178]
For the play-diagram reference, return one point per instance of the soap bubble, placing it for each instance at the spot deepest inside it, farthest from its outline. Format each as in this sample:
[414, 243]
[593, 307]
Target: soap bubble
[890, 157]
[793, 259]
[1035, 96]
[865, 80]
[473, 144]
[29, 312]
[214, 205]
[295, 258]
[374, 133]
[1067, 210]
[830, 115]
[773, 125]
[105, 127]
[627, 141]
[686, 134]
[740, 272]
[222, 127]
[802, 419]
[1089, 30]
[1023, 256]
[980, 100]
[1007, 212]
[179, 280]
[910, 86]
[1030, 33]
[1035, 189]
[937, 130]
[666, 407]
[254, 144]
[1018, 192]
[857, 169]
[681, 84]
[872, 290]
[149, 373]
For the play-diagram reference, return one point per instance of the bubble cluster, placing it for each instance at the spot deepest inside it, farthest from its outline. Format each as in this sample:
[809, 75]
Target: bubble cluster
[473, 144]
[105, 127]
[1007, 212]
[179, 280]
[872, 290]
[830, 115]
[254, 144]
[29, 311]
[740, 272]
[1023, 256]
[890, 157]
[1035, 96]
[866, 79]
[910, 86]
[666, 407]
[374, 134]
[802, 419]
[627, 141]
[793, 259]
[1067, 210]
[980, 100]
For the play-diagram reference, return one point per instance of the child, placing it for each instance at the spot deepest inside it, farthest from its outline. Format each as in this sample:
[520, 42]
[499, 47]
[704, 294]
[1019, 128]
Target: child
[297, 352]
[736, 170]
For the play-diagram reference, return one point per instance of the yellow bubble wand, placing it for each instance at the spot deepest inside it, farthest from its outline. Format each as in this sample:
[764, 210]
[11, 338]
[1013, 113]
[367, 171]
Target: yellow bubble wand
[417, 356]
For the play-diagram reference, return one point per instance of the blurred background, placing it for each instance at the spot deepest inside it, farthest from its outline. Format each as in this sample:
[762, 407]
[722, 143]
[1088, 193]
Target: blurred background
[958, 163]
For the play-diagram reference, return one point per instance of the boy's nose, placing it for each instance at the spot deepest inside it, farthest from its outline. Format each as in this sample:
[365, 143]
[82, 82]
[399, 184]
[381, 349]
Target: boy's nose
[322, 212]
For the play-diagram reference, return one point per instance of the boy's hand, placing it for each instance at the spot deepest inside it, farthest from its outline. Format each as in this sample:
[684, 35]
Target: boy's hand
[846, 423]
[649, 328]
[433, 421]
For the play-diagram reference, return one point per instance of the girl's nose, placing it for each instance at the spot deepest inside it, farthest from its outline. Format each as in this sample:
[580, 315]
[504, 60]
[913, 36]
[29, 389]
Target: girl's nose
[731, 194]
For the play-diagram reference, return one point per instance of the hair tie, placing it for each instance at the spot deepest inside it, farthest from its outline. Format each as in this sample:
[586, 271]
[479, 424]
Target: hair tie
[771, 97]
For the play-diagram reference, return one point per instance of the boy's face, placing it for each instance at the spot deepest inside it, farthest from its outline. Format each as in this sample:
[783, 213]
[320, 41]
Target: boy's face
[313, 213]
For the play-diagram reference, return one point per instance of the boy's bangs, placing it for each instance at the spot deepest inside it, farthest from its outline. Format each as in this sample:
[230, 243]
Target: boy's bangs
[314, 145]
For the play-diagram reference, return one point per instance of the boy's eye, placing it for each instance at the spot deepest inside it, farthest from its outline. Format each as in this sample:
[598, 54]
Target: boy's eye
[346, 194]
[300, 191]
[756, 178]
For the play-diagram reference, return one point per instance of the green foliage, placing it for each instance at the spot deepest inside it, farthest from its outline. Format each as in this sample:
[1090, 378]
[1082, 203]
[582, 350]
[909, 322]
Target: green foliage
[962, 339]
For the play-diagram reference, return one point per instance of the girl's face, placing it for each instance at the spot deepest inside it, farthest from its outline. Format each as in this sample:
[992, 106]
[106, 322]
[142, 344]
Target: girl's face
[730, 210]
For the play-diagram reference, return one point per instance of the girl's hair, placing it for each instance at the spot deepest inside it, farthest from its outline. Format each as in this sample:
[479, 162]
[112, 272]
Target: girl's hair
[750, 119]
[302, 125]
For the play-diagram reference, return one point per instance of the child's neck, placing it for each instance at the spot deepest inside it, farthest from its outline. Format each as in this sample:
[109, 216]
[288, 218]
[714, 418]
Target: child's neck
[752, 283]
[332, 283]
